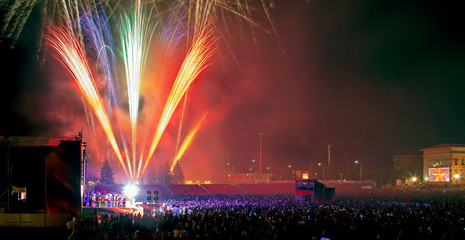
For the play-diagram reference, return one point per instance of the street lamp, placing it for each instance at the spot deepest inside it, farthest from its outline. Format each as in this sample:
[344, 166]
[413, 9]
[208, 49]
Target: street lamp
[260, 134]
[270, 173]
[319, 164]
[356, 162]
[290, 170]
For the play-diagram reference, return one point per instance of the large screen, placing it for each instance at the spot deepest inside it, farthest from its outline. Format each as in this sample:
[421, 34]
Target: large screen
[439, 174]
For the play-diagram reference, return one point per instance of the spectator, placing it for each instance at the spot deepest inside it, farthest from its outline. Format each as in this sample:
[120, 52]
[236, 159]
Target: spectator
[370, 214]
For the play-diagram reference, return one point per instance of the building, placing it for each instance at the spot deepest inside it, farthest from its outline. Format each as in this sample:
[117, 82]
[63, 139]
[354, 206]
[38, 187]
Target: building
[444, 163]
[407, 166]
[40, 180]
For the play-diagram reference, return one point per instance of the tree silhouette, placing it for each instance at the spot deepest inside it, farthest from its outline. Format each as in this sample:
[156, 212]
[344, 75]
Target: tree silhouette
[177, 176]
[106, 174]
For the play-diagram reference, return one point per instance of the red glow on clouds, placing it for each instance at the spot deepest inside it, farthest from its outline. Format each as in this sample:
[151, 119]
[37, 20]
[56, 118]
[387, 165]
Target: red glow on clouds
[324, 80]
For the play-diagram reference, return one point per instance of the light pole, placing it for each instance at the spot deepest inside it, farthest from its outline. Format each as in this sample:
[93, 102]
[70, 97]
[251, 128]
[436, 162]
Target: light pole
[270, 172]
[319, 164]
[253, 170]
[229, 172]
[260, 134]
[357, 162]
[290, 169]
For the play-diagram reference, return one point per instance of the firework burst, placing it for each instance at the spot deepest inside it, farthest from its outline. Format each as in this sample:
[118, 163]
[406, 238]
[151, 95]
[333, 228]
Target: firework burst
[71, 54]
[80, 26]
[136, 36]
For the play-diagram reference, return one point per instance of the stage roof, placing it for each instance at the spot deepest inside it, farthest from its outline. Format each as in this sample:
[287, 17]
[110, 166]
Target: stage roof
[38, 141]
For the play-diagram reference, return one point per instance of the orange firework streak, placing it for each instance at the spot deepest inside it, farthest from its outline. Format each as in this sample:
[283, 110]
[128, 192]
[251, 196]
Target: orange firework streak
[187, 141]
[71, 54]
[195, 62]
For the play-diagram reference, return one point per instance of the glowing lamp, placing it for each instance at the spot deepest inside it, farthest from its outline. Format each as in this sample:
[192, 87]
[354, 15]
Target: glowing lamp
[130, 190]
[456, 176]
[414, 179]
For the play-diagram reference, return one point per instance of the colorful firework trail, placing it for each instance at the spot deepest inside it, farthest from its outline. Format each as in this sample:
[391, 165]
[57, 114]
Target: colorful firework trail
[188, 139]
[83, 25]
[195, 62]
[136, 34]
[71, 54]
[96, 30]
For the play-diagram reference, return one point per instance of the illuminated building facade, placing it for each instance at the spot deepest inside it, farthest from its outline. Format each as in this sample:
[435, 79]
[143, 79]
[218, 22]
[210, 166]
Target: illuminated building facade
[444, 163]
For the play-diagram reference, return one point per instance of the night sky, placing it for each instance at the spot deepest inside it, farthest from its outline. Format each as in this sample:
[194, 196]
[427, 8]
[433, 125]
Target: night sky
[371, 78]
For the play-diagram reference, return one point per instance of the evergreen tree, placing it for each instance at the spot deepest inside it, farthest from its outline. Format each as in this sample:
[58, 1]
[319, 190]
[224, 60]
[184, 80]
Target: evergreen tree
[106, 174]
[177, 175]
[164, 175]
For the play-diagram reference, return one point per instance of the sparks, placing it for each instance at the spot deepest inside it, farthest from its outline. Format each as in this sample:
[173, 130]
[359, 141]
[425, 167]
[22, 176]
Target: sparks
[194, 63]
[188, 140]
[71, 54]
[136, 35]
[87, 27]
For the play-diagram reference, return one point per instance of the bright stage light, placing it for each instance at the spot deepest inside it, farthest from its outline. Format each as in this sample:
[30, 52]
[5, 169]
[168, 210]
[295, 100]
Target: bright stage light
[130, 190]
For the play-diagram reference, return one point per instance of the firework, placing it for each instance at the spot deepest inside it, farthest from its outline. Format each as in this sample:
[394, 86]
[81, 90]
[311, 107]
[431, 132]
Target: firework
[188, 140]
[71, 54]
[195, 62]
[85, 26]
[96, 30]
[16, 18]
[136, 36]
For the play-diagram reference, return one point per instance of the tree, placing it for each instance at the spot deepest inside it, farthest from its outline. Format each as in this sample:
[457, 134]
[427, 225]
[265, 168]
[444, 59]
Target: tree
[106, 174]
[163, 174]
[177, 176]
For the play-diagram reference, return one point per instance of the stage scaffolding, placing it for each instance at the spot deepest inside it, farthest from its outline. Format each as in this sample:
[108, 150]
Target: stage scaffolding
[5, 175]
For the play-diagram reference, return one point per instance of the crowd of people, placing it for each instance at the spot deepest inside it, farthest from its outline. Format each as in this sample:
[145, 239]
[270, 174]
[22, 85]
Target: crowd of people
[105, 199]
[355, 214]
